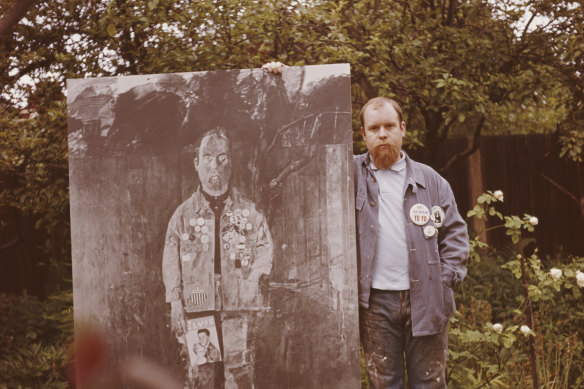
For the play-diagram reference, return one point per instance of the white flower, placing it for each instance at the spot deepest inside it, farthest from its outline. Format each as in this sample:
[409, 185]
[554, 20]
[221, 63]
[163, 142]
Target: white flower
[533, 221]
[580, 278]
[524, 330]
[555, 273]
[498, 195]
[498, 327]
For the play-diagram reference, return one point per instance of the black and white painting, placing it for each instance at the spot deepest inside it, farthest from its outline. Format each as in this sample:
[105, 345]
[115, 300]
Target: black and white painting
[213, 223]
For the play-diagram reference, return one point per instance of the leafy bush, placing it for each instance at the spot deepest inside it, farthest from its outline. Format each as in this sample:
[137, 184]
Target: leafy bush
[33, 337]
[491, 337]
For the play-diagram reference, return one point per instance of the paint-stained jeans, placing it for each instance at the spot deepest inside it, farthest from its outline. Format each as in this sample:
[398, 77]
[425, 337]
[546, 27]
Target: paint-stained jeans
[386, 334]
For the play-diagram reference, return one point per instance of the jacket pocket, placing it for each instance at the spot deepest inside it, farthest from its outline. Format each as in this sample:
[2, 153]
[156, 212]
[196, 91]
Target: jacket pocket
[448, 298]
[359, 202]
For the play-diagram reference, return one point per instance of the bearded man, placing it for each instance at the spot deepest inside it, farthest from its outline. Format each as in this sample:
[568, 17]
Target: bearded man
[412, 247]
[217, 257]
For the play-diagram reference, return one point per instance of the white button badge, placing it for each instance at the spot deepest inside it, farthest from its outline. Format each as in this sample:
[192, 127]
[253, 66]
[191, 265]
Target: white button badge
[419, 214]
[429, 231]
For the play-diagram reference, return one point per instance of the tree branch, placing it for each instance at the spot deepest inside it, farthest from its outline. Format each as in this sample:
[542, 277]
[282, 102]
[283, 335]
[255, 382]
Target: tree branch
[579, 202]
[13, 16]
[370, 90]
[10, 243]
[527, 26]
[471, 149]
[451, 10]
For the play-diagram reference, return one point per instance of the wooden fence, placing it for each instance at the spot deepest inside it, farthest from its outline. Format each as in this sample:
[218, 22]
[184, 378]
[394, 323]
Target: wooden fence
[534, 180]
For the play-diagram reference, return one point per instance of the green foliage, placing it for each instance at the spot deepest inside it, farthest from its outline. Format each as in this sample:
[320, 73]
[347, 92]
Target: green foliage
[33, 339]
[459, 68]
[488, 344]
[572, 146]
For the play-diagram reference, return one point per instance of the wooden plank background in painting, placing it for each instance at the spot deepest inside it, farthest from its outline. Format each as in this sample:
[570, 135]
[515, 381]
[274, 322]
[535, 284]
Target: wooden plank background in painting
[132, 145]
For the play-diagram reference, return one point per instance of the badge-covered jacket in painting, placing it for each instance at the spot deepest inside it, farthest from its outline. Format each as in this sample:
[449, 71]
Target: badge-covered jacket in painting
[436, 262]
[188, 259]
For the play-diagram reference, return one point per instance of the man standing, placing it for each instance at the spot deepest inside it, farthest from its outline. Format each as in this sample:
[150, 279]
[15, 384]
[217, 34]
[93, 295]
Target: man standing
[412, 247]
[217, 258]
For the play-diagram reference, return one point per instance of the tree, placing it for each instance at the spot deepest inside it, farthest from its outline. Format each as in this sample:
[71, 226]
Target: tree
[459, 68]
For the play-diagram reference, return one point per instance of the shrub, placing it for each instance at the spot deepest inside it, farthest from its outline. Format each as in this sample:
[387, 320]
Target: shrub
[33, 337]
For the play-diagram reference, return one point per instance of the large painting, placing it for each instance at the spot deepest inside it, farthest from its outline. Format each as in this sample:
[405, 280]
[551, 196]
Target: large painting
[213, 224]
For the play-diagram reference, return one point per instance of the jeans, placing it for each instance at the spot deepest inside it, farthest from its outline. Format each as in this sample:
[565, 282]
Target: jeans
[386, 335]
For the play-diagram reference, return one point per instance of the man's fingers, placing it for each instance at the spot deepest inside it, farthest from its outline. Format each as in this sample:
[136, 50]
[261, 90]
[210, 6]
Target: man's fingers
[273, 67]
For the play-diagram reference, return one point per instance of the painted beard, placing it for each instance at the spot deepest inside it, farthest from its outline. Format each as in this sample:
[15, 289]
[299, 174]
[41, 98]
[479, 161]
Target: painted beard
[215, 184]
[384, 156]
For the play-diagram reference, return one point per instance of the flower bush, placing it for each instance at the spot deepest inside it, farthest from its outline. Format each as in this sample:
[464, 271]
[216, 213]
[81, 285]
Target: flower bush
[504, 286]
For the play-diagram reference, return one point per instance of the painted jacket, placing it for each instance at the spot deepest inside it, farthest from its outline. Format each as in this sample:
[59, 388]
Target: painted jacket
[436, 263]
[188, 258]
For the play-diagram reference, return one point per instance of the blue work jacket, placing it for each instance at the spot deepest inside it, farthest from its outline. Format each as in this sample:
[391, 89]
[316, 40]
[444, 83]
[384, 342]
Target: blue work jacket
[436, 263]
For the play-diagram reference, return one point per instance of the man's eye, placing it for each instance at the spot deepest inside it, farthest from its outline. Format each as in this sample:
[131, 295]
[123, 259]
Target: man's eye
[222, 158]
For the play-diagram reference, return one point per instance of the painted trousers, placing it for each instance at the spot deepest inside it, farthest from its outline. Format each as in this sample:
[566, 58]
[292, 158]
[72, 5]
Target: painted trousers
[391, 350]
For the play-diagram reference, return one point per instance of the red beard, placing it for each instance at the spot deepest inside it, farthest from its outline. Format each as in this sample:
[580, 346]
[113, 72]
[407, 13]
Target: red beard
[384, 156]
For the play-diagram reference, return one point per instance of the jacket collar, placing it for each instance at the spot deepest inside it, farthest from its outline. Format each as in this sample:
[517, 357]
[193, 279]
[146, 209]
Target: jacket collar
[414, 174]
[201, 203]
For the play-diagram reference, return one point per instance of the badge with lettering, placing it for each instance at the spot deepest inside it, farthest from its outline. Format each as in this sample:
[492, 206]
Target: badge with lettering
[245, 212]
[192, 222]
[185, 236]
[429, 231]
[437, 216]
[200, 221]
[419, 214]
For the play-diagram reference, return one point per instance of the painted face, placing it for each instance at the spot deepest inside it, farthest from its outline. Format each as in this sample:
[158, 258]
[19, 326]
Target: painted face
[383, 134]
[203, 339]
[213, 164]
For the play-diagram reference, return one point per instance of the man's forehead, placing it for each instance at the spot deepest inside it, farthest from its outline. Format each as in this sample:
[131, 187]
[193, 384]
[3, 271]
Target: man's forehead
[381, 112]
[213, 143]
[382, 106]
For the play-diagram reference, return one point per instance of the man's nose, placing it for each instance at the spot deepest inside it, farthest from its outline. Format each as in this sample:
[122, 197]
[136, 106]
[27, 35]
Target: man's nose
[383, 132]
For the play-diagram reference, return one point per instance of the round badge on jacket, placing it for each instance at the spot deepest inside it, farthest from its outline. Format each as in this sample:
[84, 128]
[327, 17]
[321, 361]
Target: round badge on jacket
[419, 214]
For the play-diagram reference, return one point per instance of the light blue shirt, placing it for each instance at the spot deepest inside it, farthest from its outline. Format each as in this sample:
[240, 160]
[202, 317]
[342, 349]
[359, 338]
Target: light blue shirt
[390, 263]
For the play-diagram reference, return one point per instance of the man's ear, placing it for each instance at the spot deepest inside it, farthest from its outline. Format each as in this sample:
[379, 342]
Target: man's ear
[403, 129]
[196, 163]
[362, 132]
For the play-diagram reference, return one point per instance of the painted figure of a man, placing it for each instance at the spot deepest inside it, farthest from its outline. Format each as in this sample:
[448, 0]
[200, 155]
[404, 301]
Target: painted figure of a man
[217, 259]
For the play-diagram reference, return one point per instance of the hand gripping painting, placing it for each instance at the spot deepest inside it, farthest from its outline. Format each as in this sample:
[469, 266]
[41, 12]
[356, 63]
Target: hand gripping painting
[213, 224]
